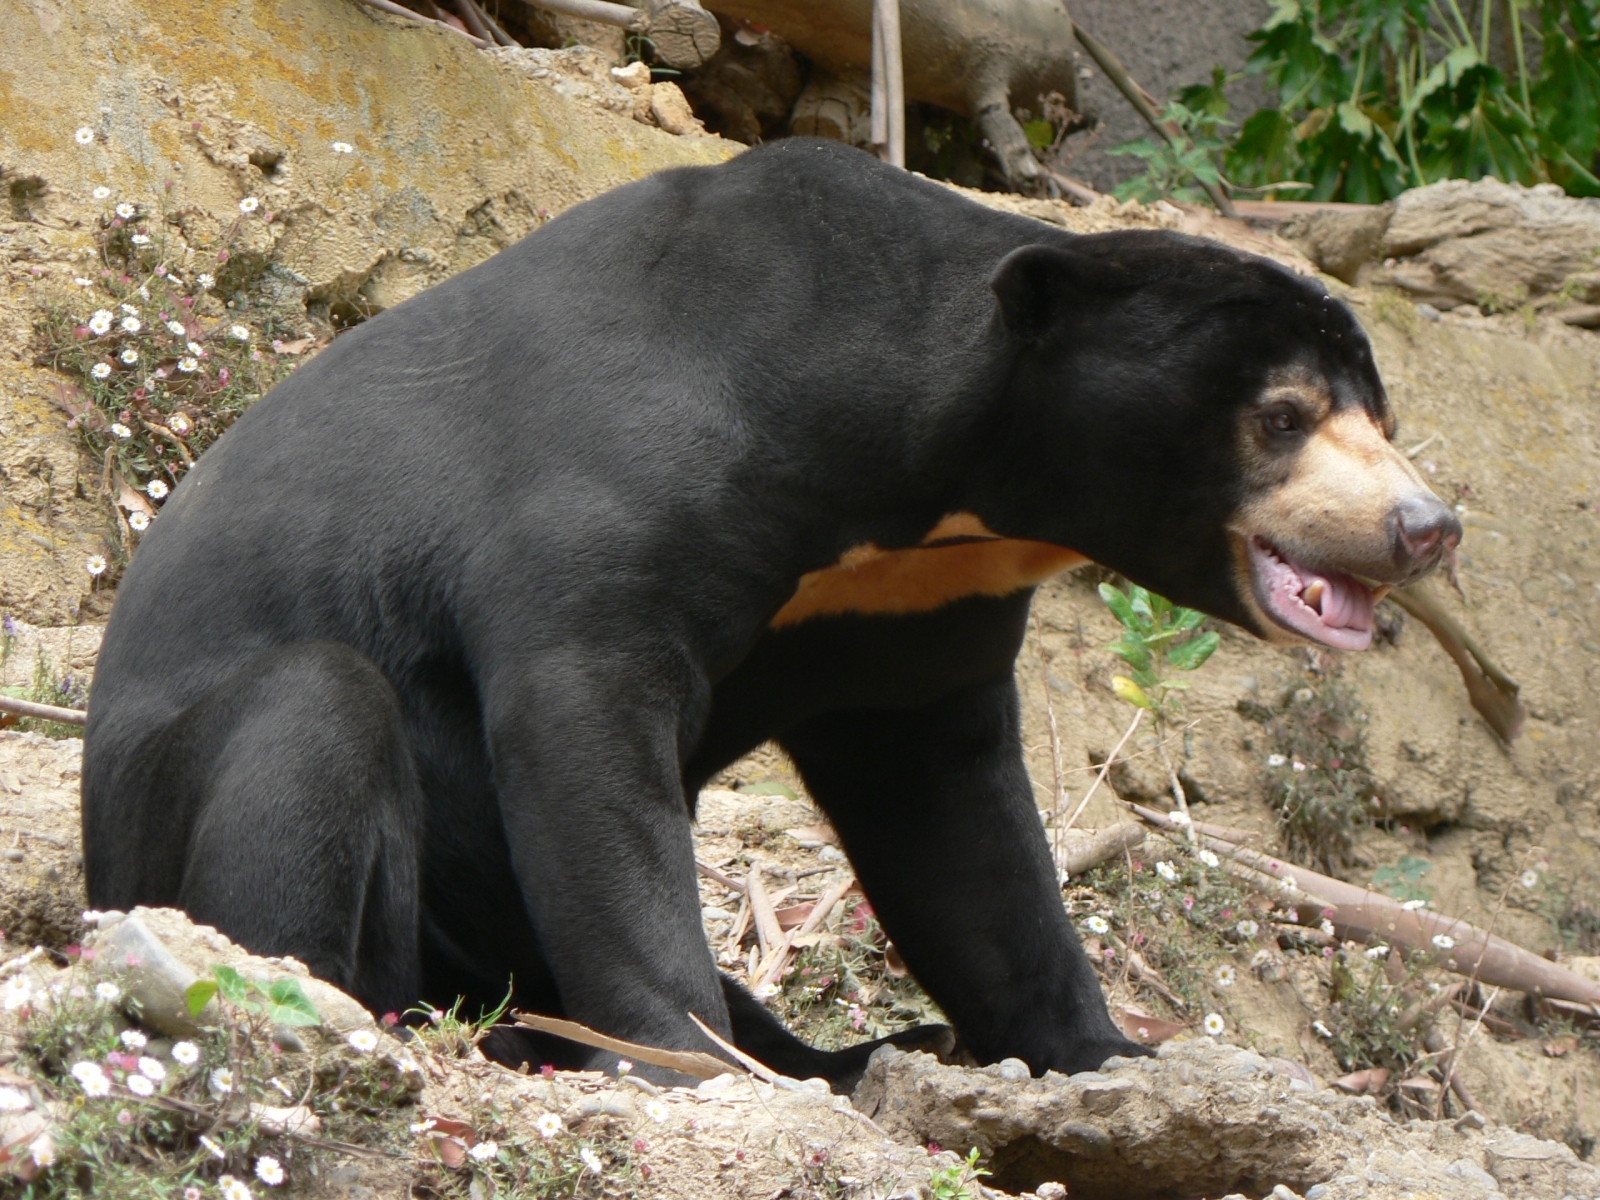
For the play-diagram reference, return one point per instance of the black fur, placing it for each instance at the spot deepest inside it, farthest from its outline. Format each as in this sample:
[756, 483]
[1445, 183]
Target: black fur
[480, 596]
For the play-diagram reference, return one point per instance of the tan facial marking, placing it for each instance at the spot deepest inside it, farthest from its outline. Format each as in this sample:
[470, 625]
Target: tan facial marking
[959, 557]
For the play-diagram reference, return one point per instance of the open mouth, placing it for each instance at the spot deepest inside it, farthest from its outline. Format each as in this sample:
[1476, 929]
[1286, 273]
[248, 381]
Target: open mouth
[1328, 607]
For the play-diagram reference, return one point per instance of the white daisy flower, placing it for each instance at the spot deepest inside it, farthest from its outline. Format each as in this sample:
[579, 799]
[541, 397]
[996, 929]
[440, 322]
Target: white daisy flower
[184, 1053]
[1530, 879]
[1444, 941]
[133, 1039]
[1326, 927]
[119, 430]
[80, 281]
[656, 1110]
[140, 239]
[132, 324]
[1376, 952]
[1322, 1030]
[1288, 882]
[1179, 817]
[1414, 905]
[100, 323]
[180, 423]
[188, 365]
[1097, 925]
[221, 1083]
[1276, 760]
[12, 1100]
[176, 328]
[130, 355]
[234, 1189]
[766, 991]
[548, 1125]
[205, 281]
[248, 205]
[239, 333]
[269, 1170]
[109, 992]
[84, 136]
[591, 1160]
[1214, 1024]
[216, 1151]
[484, 1151]
[96, 566]
[100, 370]
[363, 1040]
[1247, 928]
[1298, 765]
[126, 211]
[196, 349]
[343, 148]
[152, 1068]
[1260, 958]
[15, 994]
[1209, 858]
[91, 1078]
[1224, 976]
[140, 1086]
[1167, 871]
[101, 193]
[42, 1150]
[157, 489]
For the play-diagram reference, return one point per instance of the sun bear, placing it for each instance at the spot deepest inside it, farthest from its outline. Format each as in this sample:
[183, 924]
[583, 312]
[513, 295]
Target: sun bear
[420, 670]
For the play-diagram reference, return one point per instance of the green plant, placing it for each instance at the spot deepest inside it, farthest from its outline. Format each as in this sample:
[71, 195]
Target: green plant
[281, 1002]
[1198, 116]
[956, 1181]
[1403, 881]
[64, 691]
[1375, 96]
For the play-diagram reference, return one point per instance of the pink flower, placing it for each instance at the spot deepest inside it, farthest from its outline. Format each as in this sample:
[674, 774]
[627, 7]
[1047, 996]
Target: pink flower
[1188, 903]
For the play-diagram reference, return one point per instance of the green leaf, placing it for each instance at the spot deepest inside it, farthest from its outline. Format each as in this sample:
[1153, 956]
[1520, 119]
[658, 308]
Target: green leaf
[198, 995]
[232, 985]
[287, 1003]
[1041, 134]
[1130, 648]
[1191, 654]
[1139, 601]
[1118, 604]
[1130, 691]
[1185, 619]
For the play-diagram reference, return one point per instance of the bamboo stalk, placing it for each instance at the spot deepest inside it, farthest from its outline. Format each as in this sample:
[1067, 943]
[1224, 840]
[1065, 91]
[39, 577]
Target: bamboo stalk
[43, 712]
[405, 14]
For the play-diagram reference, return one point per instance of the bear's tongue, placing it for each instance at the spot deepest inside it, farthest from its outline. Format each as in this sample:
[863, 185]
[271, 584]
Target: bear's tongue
[1332, 608]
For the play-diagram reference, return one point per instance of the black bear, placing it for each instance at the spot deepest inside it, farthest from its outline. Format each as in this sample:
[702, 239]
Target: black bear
[422, 667]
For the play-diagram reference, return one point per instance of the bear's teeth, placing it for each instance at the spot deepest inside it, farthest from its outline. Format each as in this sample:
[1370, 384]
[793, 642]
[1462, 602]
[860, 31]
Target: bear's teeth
[1313, 595]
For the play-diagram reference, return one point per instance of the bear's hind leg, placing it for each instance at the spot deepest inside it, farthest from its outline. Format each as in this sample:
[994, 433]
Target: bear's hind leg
[307, 829]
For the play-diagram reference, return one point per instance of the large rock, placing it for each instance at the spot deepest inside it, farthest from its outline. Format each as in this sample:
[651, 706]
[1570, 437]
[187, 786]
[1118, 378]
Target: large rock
[453, 155]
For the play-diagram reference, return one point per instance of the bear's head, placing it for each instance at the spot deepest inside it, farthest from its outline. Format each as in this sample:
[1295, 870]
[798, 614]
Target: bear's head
[1213, 426]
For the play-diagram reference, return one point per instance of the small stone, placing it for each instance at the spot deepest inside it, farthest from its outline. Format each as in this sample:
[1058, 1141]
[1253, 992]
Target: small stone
[1014, 1070]
[1317, 1191]
[15, 855]
[1051, 1191]
[1470, 1120]
[671, 111]
[1283, 1192]
[1087, 1140]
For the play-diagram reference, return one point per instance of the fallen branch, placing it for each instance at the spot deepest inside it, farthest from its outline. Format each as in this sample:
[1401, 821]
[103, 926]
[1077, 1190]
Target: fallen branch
[888, 84]
[405, 14]
[754, 1065]
[43, 712]
[1138, 715]
[600, 11]
[1492, 692]
[1366, 916]
[689, 1062]
[768, 932]
[1080, 854]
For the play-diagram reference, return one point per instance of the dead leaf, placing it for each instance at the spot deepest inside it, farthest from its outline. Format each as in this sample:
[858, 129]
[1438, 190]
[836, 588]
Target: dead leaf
[132, 500]
[1150, 1030]
[1364, 1083]
[814, 835]
[1560, 1047]
[794, 916]
[1420, 1083]
[452, 1152]
[298, 346]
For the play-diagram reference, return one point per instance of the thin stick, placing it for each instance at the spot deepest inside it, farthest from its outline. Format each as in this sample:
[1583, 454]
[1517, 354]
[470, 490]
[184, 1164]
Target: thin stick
[469, 13]
[43, 712]
[754, 1065]
[598, 10]
[499, 34]
[894, 70]
[727, 881]
[1138, 715]
[1144, 104]
[772, 970]
[1059, 808]
[690, 1062]
[405, 14]
[768, 931]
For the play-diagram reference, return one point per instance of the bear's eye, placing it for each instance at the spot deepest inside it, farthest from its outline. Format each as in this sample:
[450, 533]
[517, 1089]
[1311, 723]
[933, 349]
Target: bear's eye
[1282, 419]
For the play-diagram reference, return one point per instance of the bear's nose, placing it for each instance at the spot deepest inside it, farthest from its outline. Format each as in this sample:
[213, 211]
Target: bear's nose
[1424, 530]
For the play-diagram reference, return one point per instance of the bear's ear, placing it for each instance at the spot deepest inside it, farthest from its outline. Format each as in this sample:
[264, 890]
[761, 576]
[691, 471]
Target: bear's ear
[1036, 283]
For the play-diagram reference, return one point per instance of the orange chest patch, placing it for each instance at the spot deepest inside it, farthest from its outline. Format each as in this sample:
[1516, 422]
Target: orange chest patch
[872, 581]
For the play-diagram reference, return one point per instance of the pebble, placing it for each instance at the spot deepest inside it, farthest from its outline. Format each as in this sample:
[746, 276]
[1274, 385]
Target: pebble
[1014, 1070]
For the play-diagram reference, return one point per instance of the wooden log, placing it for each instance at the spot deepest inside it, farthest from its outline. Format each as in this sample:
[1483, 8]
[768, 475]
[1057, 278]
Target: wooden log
[683, 33]
[601, 11]
[1079, 854]
[43, 712]
[888, 84]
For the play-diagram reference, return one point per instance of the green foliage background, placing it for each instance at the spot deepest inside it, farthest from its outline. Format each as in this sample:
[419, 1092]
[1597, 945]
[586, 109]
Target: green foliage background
[1377, 96]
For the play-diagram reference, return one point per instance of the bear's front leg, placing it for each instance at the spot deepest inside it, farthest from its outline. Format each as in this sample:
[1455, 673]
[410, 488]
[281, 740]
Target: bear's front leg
[935, 809]
[585, 747]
